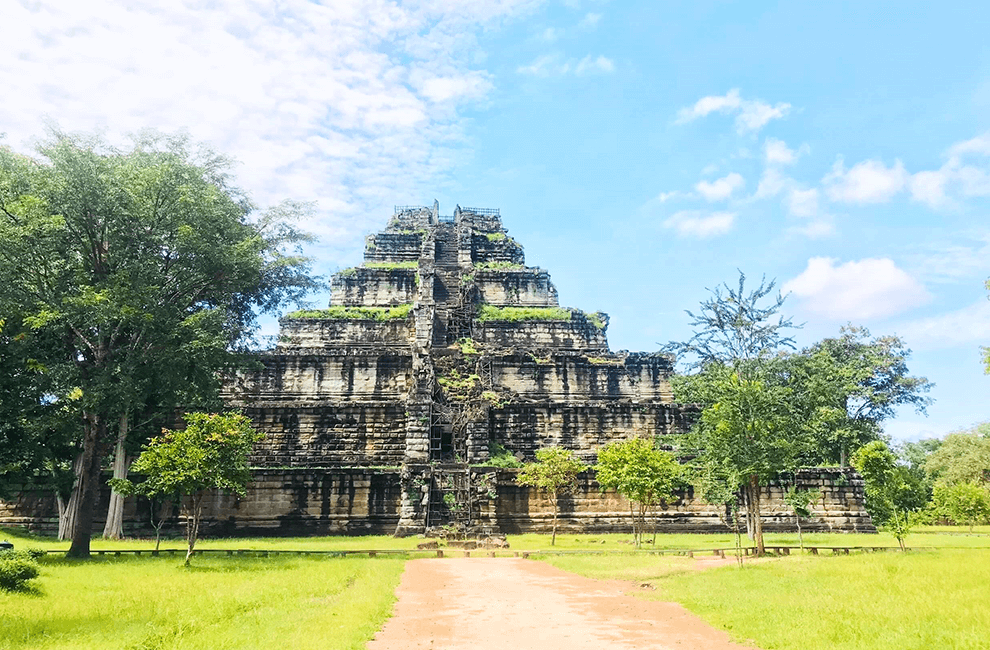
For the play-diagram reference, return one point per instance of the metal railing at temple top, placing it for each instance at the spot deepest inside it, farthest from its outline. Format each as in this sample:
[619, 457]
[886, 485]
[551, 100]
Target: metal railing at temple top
[399, 209]
[494, 212]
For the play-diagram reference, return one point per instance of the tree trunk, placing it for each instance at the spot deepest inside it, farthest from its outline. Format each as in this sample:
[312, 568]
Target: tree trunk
[67, 509]
[750, 524]
[735, 519]
[842, 455]
[754, 487]
[115, 513]
[556, 507]
[800, 537]
[192, 525]
[87, 487]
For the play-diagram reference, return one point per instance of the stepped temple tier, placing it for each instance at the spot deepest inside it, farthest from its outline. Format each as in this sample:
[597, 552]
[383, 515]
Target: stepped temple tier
[441, 355]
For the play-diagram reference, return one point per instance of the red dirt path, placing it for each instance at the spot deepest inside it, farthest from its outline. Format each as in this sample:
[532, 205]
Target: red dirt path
[510, 604]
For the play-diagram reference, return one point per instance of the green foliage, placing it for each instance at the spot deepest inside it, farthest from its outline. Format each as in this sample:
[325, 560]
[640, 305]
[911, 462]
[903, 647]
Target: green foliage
[597, 319]
[17, 568]
[554, 474]
[495, 236]
[355, 313]
[889, 493]
[499, 456]
[137, 275]
[962, 457]
[467, 347]
[850, 385]
[963, 503]
[211, 453]
[518, 314]
[498, 266]
[733, 328]
[413, 264]
[639, 471]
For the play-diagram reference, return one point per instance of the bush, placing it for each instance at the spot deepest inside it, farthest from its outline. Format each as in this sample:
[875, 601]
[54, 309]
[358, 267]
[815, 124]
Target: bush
[16, 568]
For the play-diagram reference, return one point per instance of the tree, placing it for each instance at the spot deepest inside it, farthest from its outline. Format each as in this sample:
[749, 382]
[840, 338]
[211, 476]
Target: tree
[554, 474]
[733, 329]
[963, 457]
[964, 503]
[133, 260]
[800, 502]
[851, 384]
[639, 471]
[746, 433]
[886, 490]
[211, 453]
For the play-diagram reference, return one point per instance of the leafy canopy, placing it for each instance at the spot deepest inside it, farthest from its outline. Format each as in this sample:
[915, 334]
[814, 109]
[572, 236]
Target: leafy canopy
[554, 472]
[639, 471]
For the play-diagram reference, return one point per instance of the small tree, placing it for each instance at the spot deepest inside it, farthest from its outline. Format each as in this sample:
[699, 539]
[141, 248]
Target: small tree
[800, 502]
[963, 503]
[211, 453]
[643, 474]
[554, 474]
[885, 487]
[719, 487]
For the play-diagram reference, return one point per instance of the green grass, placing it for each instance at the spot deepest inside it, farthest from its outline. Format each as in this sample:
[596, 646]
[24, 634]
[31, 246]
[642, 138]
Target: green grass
[498, 266]
[357, 313]
[144, 603]
[392, 265]
[516, 314]
[914, 600]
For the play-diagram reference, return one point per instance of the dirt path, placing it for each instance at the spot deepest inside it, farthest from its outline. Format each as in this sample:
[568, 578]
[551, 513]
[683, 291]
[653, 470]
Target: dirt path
[510, 604]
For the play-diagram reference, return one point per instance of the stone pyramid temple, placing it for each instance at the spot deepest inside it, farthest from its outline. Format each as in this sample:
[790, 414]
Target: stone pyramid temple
[442, 354]
[441, 361]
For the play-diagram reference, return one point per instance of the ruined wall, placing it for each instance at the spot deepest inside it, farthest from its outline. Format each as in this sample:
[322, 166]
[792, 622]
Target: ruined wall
[584, 428]
[374, 287]
[354, 373]
[577, 377]
[590, 510]
[329, 434]
[526, 288]
[540, 335]
[394, 246]
[318, 333]
[503, 250]
[277, 502]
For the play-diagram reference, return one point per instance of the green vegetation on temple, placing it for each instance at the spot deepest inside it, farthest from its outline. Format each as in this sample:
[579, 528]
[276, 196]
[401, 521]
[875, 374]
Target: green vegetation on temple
[392, 265]
[499, 266]
[517, 314]
[355, 313]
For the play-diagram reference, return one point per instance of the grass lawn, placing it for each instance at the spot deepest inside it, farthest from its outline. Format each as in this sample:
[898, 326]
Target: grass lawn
[145, 603]
[918, 600]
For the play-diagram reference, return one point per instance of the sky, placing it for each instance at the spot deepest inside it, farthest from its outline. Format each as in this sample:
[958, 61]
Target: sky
[642, 152]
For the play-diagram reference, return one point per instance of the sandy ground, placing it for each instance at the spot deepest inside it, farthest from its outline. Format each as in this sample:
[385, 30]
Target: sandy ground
[514, 604]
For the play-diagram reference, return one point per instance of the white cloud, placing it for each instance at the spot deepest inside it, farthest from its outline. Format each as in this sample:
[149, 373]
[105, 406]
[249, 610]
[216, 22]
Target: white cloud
[722, 188]
[589, 65]
[869, 181]
[980, 146]
[802, 203]
[550, 34]
[777, 152]
[751, 114]
[929, 187]
[855, 290]
[354, 104]
[553, 65]
[590, 20]
[815, 229]
[696, 223]
[967, 326]
[772, 183]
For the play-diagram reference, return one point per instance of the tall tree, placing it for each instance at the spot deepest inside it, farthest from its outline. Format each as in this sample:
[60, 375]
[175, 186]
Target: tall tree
[735, 328]
[963, 457]
[851, 384]
[131, 257]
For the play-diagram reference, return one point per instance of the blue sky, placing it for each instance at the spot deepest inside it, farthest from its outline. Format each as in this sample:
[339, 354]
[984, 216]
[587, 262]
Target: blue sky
[641, 151]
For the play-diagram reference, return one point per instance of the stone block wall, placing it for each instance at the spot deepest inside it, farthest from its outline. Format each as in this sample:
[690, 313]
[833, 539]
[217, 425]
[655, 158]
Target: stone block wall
[584, 428]
[317, 374]
[497, 250]
[320, 333]
[590, 510]
[374, 287]
[278, 502]
[540, 335]
[393, 247]
[528, 288]
[577, 377]
[329, 434]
